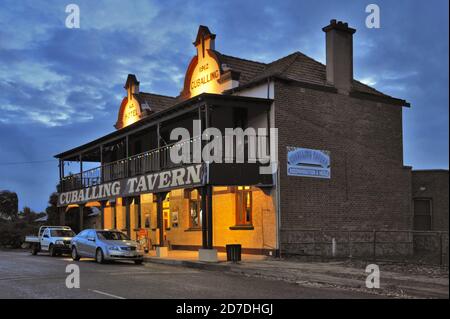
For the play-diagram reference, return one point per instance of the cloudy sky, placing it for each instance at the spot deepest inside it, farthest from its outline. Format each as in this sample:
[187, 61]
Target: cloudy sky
[62, 87]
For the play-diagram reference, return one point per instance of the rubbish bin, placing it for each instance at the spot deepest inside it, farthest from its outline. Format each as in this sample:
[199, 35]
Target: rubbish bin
[234, 252]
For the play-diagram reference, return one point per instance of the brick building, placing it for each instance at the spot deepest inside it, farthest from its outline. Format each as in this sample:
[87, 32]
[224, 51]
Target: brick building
[430, 199]
[339, 155]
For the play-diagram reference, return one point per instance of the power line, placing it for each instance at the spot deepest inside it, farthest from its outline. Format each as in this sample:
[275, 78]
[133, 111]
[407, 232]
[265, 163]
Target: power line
[26, 163]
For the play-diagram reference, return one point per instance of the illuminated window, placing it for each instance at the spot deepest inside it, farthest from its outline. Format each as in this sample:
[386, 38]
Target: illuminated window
[195, 215]
[244, 205]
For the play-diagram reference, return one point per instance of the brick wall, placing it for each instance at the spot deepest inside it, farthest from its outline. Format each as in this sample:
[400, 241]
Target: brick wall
[369, 186]
[433, 184]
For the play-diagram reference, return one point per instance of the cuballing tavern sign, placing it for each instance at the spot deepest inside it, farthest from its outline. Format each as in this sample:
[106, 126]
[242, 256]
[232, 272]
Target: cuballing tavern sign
[187, 176]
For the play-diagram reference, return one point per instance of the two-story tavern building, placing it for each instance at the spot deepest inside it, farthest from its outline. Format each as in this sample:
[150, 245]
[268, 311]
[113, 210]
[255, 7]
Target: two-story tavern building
[338, 147]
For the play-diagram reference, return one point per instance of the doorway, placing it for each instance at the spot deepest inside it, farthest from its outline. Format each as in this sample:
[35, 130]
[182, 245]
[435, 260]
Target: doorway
[166, 217]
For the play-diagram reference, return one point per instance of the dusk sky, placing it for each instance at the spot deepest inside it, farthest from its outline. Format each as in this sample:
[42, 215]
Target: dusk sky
[60, 87]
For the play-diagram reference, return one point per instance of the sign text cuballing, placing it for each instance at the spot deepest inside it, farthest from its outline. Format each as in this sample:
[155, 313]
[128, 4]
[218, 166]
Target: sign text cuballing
[187, 176]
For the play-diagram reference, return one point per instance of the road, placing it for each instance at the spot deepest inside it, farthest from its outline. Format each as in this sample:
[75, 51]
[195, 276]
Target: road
[25, 276]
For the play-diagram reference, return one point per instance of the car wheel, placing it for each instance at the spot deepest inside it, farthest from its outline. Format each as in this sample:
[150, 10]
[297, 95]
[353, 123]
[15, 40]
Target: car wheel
[99, 258]
[34, 250]
[75, 255]
[52, 251]
[138, 262]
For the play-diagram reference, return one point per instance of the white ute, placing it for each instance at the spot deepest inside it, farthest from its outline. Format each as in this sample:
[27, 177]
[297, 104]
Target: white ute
[52, 239]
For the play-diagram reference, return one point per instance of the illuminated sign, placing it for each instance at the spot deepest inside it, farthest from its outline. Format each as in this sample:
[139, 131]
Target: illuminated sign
[204, 70]
[205, 77]
[131, 114]
[130, 110]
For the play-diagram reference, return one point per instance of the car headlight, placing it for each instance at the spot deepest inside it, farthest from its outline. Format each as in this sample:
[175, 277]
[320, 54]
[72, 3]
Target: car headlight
[113, 248]
[59, 242]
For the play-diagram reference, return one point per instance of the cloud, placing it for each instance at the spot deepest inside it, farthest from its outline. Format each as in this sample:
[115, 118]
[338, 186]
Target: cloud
[62, 87]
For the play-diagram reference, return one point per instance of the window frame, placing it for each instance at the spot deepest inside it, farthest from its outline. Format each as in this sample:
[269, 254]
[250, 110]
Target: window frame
[199, 210]
[240, 208]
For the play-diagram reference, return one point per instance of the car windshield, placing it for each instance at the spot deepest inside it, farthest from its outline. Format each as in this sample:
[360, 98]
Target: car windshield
[112, 235]
[62, 233]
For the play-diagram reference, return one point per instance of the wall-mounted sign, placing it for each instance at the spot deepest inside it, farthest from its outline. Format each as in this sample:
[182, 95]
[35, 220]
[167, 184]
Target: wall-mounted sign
[308, 162]
[131, 114]
[188, 176]
[203, 75]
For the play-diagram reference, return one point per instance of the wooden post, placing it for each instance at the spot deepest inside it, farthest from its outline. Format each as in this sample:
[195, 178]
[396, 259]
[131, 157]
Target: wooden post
[62, 175]
[158, 141]
[101, 164]
[113, 214]
[102, 213]
[81, 171]
[160, 218]
[81, 216]
[127, 214]
[62, 216]
[209, 217]
[204, 218]
[137, 202]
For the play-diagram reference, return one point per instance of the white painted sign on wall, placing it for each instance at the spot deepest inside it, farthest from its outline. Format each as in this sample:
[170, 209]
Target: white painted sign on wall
[307, 162]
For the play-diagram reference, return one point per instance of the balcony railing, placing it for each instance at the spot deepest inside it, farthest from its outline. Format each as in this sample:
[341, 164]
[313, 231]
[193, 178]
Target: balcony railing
[143, 163]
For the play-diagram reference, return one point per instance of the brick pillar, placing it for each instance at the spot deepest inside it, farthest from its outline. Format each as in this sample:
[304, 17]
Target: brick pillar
[127, 201]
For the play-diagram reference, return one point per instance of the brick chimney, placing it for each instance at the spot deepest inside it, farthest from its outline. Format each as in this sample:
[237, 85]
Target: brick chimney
[339, 51]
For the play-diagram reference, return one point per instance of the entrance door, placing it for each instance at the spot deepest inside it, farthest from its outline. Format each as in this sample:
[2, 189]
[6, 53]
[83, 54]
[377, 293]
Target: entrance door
[166, 217]
[166, 222]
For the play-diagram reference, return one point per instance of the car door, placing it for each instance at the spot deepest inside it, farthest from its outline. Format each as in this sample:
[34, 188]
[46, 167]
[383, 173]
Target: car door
[45, 239]
[81, 239]
[91, 243]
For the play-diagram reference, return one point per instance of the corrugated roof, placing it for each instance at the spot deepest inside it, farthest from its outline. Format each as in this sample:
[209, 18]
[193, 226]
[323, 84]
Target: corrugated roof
[156, 102]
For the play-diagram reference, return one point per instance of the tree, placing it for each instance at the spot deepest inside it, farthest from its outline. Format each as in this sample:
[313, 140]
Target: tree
[9, 205]
[14, 229]
[52, 210]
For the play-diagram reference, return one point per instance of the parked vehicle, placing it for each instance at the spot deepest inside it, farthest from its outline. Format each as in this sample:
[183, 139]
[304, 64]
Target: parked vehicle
[52, 239]
[106, 245]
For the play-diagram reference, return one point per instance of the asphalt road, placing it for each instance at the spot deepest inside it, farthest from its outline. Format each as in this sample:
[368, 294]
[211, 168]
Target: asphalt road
[25, 276]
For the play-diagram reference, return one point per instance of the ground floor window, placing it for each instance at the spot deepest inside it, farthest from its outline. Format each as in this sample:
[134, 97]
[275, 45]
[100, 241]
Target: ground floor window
[244, 206]
[195, 205]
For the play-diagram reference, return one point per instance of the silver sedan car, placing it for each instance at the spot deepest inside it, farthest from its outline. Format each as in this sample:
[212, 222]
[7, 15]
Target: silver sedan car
[104, 244]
